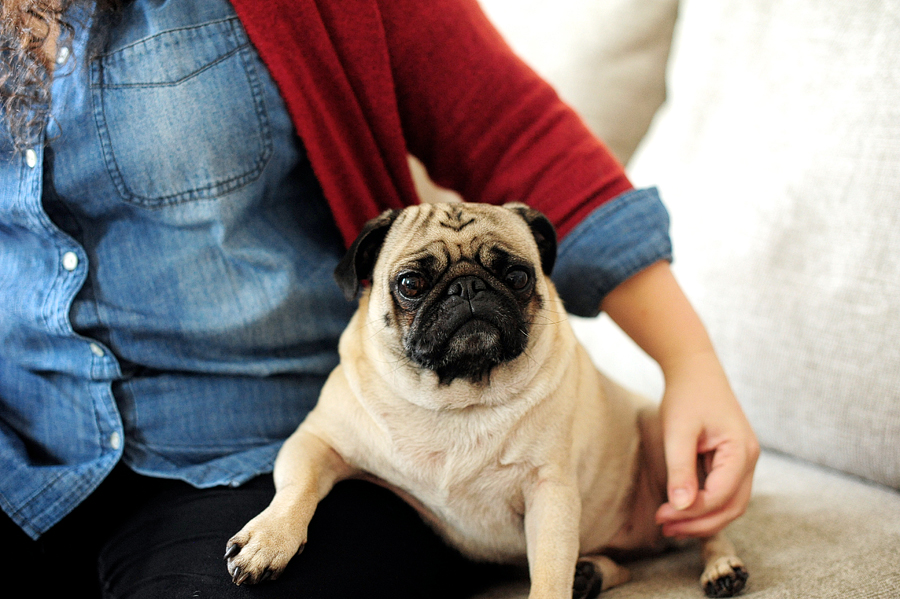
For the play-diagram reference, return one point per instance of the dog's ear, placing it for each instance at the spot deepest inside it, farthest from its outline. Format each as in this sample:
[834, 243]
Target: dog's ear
[359, 261]
[543, 231]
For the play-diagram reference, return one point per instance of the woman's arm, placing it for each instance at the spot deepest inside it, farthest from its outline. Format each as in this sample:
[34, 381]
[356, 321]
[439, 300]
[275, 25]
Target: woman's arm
[700, 414]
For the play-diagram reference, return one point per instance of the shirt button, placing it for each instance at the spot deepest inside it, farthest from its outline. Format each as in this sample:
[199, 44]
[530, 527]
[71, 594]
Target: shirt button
[115, 441]
[30, 158]
[63, 55]
[97, 350]
[70, 261]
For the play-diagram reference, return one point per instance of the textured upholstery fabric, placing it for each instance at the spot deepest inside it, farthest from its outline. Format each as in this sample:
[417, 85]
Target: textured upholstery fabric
[778, 156]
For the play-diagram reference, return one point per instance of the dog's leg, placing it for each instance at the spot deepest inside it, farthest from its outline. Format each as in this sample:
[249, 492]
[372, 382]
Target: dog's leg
[595, 573]
[725, 574]
[552, 517]
[305, 471]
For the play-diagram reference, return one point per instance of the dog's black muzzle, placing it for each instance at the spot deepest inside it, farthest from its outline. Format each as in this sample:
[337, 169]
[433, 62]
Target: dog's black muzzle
[467, 330]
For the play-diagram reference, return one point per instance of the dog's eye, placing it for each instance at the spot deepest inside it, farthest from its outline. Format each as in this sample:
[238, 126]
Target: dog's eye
[411, 285]
[517, 278]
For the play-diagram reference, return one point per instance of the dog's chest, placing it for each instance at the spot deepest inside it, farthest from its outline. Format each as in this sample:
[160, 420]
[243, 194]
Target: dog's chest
[461, 483]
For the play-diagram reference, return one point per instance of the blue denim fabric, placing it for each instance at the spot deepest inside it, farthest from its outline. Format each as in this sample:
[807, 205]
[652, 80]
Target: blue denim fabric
[616, 241]
[166, 296]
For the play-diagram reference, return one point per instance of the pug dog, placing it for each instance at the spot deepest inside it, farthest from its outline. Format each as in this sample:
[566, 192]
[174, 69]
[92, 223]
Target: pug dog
[462, 387]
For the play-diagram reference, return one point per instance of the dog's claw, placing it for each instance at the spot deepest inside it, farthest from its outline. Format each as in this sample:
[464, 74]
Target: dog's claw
[232, 550]
[728, 585]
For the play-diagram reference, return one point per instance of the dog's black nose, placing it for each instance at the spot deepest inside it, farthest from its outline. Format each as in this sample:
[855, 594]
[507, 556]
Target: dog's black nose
[466, 287]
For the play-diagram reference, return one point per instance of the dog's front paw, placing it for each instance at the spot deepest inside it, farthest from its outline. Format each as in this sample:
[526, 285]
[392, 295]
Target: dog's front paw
[725, 577]
[262, 550]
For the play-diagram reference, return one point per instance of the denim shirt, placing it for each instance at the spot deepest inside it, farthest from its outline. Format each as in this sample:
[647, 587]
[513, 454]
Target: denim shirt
[166, 297]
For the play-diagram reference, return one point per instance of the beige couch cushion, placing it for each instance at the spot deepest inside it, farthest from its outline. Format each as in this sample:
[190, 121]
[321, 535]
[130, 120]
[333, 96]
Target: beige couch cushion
[778, 155]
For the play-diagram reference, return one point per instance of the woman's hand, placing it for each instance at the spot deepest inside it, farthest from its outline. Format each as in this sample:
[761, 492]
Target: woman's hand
[704, 426]
[701, 418]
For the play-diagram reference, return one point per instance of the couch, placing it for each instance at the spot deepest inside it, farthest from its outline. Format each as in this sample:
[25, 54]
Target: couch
[772, 130]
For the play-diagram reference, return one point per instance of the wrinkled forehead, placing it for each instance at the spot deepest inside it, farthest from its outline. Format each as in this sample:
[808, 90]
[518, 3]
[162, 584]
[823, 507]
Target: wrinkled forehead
[448, 233]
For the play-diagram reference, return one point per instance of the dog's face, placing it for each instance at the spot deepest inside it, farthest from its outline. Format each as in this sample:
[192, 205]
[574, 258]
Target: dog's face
[457, 286]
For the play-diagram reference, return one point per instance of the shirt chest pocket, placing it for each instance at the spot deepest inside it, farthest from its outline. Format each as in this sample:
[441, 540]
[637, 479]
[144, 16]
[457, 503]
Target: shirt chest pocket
[181, 115]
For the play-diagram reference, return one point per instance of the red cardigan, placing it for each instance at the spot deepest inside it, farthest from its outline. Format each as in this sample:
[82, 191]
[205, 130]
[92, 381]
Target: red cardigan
[368, 81]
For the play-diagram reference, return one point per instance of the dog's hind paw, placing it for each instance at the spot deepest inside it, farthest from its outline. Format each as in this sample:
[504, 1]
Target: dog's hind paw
[595, 573]
[588, 581]
[726, 577]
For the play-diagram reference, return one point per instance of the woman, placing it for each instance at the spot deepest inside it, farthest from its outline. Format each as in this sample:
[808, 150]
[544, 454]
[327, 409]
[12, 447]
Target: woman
[177, 183]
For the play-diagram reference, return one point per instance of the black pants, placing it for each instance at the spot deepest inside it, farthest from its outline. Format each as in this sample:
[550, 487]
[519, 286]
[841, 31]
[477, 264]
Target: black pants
[137, 537]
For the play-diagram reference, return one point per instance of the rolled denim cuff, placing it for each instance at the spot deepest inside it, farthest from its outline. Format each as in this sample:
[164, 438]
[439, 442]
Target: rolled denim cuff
[617, 240]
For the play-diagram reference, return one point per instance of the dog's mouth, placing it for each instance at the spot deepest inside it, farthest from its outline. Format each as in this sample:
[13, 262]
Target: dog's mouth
[477, 338]
[468, 342]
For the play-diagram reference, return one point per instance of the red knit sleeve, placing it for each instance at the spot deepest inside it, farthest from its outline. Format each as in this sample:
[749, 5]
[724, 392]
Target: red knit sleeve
[331, 63]
[483, 123]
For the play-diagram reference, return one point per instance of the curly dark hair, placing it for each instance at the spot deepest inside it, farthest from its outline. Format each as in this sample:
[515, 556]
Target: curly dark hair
[25, 70]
